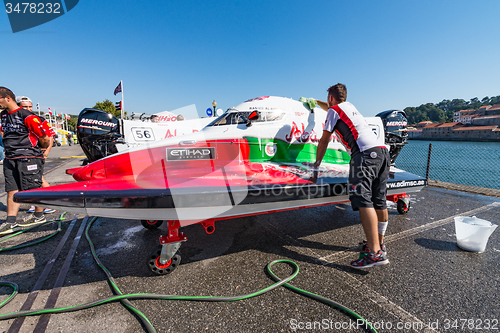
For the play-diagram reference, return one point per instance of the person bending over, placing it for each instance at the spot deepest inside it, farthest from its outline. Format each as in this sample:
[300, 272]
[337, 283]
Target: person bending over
[368, 171]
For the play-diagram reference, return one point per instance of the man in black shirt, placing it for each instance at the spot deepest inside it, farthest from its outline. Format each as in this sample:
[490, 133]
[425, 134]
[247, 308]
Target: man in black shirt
[23, 138]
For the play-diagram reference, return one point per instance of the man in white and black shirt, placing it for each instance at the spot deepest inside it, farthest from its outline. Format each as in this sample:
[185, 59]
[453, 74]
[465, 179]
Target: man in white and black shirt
[368, 174]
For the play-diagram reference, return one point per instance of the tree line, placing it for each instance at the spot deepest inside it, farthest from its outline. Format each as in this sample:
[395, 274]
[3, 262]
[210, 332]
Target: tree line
[443, 111]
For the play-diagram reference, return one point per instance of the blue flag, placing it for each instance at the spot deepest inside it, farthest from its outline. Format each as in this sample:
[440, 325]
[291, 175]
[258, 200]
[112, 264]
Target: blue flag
[118, 89]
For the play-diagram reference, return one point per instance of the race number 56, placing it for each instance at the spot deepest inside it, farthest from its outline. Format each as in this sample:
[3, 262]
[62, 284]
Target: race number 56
[143, 134]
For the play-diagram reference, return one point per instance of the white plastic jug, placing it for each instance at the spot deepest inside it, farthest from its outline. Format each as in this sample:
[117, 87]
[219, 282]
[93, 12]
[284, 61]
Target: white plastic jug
[473, 233]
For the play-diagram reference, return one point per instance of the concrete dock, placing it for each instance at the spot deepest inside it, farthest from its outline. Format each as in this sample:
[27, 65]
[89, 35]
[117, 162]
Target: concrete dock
[430, 285]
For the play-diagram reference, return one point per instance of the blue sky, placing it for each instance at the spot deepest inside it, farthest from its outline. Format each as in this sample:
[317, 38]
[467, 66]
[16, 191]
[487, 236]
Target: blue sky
[170, 54]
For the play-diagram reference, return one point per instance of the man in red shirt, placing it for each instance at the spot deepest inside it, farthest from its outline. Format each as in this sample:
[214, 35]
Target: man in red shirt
[26, 103]
[23, 138]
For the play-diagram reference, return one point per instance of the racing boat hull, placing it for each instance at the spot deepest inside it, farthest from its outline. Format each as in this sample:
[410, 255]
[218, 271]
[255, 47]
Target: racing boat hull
[234, 167]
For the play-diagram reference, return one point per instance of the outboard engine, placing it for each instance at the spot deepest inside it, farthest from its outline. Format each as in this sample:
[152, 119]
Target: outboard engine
[98, 133]
[396, 132]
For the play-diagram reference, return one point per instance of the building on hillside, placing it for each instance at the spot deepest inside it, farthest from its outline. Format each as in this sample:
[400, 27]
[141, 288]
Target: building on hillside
[439, 130]
[422, 124]
[460, 114]
[466, 116]
[458, 131]
[486, 121]
[482, 124]
[493, 110]
[415, 134]
[484, 108]
[477, 133]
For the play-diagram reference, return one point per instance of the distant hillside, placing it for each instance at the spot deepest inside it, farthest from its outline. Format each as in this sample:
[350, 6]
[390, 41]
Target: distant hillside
[442, 112]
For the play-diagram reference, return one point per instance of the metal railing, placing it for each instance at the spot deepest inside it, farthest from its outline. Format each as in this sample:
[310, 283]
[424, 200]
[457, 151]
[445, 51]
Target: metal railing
[470, 164]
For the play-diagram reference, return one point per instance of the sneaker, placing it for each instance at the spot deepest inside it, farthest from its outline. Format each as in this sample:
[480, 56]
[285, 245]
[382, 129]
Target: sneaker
[369, 259]
[32, 220]
[49, 211]
[364, 245]
[8, 228]
[31, 210]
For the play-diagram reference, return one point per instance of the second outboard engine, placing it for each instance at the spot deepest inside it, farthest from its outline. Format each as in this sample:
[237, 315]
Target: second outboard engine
[396, 132]
[98, 132]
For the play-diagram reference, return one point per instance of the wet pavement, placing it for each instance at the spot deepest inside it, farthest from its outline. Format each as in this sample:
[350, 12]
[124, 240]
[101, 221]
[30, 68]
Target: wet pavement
[430, 285]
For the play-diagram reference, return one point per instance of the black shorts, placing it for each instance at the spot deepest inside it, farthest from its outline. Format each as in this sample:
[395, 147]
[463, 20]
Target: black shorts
[368, 174]
[23, 174]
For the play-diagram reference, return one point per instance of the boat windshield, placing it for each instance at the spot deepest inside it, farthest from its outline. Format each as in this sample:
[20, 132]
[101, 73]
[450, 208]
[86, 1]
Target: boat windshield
[235, 117]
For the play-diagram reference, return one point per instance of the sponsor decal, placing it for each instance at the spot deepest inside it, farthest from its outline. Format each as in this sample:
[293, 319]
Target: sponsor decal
[405, 183]
[271, 149]
[32, 167]
[170, 135]
[257, 99]
[267, 108]
[301, 135]
[396, 123]
[167, 118]
[183, 154]
[289, 173]
[98, 122]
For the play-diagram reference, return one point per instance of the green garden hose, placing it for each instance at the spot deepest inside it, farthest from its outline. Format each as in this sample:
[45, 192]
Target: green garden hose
[20, 246]
[125, 299]
[14, 286]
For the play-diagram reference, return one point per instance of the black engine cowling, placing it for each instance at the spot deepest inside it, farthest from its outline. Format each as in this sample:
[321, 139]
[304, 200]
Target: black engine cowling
[396, 131]
[98, 132]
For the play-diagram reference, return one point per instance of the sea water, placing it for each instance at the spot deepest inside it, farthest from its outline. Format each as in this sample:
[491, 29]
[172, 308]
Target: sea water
[459, 162]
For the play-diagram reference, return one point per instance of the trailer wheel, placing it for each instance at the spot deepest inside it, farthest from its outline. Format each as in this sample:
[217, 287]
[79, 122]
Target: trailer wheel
[158, 268]
[151, 224]
[403, 207]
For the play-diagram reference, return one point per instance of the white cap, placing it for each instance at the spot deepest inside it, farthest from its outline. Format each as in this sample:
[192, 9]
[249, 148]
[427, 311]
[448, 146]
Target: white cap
[20, 99]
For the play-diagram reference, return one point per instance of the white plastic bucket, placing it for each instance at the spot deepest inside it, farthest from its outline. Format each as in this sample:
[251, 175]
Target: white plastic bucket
[473, 233]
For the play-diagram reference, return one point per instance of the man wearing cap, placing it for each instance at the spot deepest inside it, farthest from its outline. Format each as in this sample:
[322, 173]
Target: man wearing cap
[25, 103]
[23, 165]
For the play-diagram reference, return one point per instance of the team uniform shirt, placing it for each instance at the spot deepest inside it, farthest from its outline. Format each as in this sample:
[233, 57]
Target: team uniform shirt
[46, 128]
[21, 130]
[351, 128]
